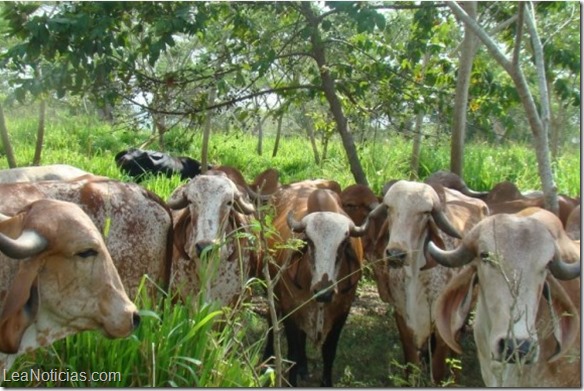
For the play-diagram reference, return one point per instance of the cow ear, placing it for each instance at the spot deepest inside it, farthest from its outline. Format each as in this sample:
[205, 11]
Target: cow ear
[178, 199]
[354, 256]
[453, 306]
[180, 232]
[293, 271]
[563, 314]
[20, 306]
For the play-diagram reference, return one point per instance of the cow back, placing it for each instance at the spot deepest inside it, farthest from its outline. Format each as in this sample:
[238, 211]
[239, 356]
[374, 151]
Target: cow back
[136, 223]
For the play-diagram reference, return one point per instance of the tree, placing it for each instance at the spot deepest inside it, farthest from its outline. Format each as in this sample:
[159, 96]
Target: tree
[539, 122]
[467, 54]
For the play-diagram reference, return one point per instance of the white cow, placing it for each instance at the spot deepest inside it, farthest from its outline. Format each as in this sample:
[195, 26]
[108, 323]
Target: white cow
[51, 172]
[526, 297]
[416, 213]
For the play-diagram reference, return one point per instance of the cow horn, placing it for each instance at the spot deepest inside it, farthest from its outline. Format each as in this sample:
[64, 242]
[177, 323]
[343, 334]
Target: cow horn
[178, 200]
[473, 193]
[564, 270]
[295, 225]
[360, 230]
[242, 205]
[460, 256]
[443, 223]
[29, 243]
[257, 196]
[378, 210]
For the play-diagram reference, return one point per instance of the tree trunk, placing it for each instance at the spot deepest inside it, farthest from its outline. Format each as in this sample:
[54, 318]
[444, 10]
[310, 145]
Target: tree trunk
[417, 146]
[538, 126]
[6, 140]
[467, 53]
[207, 130]
[328, 86]
[260, 129]
[278, 134]
[310, 133]
[557, 115]
[40, 134]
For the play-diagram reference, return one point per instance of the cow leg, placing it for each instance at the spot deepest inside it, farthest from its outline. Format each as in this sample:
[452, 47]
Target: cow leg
[329, 351]
[296, 339]
[407, 340]
[440, 353]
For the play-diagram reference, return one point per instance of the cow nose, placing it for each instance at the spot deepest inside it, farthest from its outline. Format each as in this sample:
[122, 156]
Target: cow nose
[324, 296]
[513, 350]
[201, 246]
[395, 257]
[135, 320]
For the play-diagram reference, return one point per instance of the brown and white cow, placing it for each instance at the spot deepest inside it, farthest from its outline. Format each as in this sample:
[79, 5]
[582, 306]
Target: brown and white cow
[136, 223]
[57, 278]
[316, 283]
[212, 217]
[407, 278]
[526, 325]
[51, 172]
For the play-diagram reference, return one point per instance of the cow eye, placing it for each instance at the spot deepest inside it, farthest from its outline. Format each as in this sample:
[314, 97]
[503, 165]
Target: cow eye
[87, 253]
[485, 256]
[229, 203]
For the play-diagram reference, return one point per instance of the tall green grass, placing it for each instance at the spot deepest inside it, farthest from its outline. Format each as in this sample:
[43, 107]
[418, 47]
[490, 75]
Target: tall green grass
[91, 145]
[191, 344]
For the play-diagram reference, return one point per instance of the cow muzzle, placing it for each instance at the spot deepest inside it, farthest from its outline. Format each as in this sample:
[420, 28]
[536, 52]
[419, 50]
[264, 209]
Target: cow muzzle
[324, 291]
[203, 246]
[516, 350]
[395, 257]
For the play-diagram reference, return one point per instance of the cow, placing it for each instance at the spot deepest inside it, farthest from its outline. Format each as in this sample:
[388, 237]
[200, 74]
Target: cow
[407, 279]
[136, 223]
[505, 197]
[526, 298]
[265, 184]
[212, 214]
[452, 181]
[358, 202]
[51, 172]
[57, 278]
[137, 163]
[574, 223]
[318, 281]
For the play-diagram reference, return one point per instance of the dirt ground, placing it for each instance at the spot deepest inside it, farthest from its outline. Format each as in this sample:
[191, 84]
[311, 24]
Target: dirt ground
[370, 353]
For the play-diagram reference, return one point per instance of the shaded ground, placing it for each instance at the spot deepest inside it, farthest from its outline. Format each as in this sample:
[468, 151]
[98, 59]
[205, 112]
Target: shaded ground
[370, 354]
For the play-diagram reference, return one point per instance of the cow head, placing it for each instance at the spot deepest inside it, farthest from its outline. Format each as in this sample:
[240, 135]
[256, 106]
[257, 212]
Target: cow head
[514, 261]
[329, 246]
[415, 212]
[65, 282]
[211, 198]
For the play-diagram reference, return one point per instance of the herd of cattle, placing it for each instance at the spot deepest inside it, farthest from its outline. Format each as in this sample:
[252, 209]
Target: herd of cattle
[445, 257]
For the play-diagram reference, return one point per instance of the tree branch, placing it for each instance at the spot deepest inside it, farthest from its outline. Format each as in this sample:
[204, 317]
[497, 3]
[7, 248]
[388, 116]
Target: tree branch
[478, 30]
[518, 35]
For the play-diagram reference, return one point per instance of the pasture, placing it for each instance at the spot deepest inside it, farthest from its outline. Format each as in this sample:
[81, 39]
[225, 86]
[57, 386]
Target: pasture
[183, 344]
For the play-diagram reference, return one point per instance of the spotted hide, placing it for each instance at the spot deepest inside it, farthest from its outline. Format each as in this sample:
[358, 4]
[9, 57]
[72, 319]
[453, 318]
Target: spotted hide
[136, 224]
[406, 278]
[527, 300]
[318, 282]
[56, 279]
